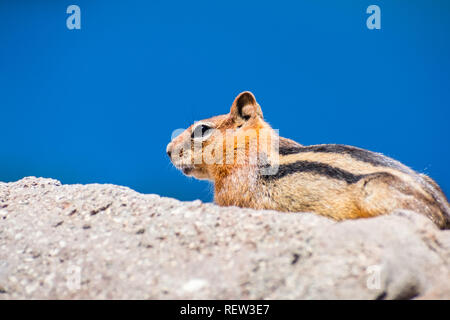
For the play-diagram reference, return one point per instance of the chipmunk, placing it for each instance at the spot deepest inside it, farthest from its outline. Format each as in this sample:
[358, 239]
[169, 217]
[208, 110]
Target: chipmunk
[272, 172]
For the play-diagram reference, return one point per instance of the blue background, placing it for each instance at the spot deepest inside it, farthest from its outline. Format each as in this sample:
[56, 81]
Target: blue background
[100, 104]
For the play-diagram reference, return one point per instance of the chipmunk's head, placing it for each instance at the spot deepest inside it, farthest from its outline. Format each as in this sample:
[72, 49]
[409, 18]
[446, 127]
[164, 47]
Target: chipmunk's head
[214, 146]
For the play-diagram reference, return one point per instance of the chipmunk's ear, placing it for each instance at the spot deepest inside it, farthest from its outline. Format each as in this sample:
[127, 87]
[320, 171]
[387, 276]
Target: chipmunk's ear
[245, 107]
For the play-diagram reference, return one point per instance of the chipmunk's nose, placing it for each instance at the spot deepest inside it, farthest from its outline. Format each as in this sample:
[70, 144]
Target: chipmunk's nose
[169, 149]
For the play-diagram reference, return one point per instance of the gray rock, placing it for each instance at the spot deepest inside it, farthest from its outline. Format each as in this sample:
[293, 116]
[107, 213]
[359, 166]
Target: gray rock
[104, 241]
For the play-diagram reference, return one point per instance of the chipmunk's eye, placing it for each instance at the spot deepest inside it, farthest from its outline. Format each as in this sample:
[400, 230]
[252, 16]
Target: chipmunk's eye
[201, 132]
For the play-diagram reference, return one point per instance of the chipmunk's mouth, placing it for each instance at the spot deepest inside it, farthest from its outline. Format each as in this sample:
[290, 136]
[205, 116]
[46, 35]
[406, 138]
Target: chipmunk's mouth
[186, 169]
[193, 171]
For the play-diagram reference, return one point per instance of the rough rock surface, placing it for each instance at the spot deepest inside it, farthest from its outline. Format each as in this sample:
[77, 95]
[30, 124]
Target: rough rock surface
[105, 241]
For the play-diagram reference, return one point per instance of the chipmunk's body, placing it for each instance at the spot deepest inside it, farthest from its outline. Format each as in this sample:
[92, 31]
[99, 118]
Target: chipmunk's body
[337, 181]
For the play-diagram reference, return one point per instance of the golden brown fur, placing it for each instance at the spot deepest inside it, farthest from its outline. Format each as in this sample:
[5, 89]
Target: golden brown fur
[340, 182]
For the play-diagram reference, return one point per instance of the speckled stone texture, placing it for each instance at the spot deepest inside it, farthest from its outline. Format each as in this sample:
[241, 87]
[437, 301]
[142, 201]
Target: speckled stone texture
[109, 242]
